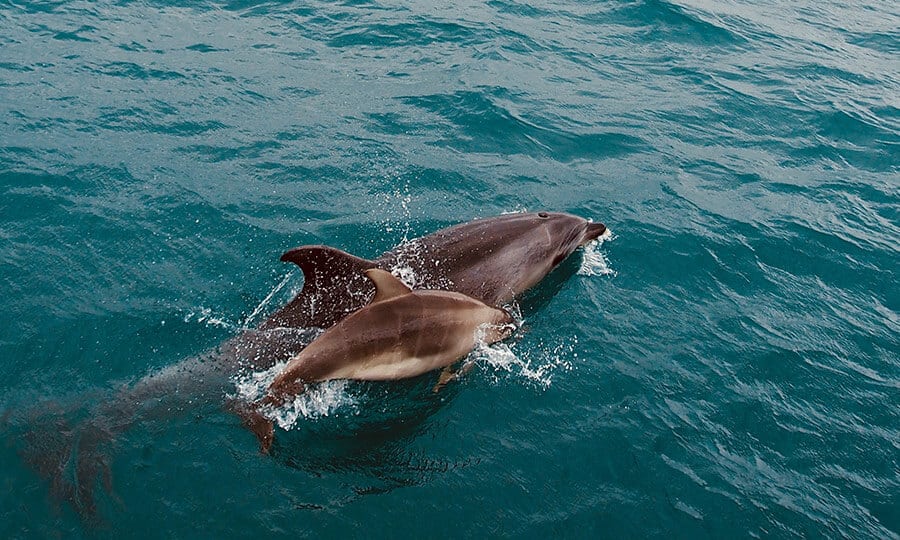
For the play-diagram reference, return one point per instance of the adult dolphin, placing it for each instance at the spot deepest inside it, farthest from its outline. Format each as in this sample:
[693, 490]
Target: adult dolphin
[400, 334]
[492, 259]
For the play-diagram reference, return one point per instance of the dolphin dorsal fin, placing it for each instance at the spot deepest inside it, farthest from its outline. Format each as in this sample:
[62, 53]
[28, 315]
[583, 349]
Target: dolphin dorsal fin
[386, 285]
[321, 261]
[329, 276]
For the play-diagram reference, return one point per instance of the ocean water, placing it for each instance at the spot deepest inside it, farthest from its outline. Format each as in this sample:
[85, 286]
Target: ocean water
[726, 365]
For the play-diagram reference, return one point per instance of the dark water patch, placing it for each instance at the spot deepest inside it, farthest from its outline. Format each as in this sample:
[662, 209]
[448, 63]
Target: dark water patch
[133, 119]
[421, 180]
[133, 46]
[204, 48]
[659, 20]
[253, 96]
[12, 66]
[53, 185]
[130, 70]
[215, 154]
[393, 124]
[259, 215]
[16, 159]
[38, 6]
[189, 129]
[489, 127]
[299, 191]
[75, 35]
[281, 173]
[49, 124]
[520, 9]
[837, 78]
[144, 330]
[299, 54]
[416, 33]
[884, 42]
[861, 132]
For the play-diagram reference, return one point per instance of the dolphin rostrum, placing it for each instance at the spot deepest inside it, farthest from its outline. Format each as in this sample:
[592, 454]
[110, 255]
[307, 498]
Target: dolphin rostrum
[493, 260]
[400, 334]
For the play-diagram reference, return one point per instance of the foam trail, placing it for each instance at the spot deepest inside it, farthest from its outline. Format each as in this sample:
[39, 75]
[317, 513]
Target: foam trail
[206, 316]
[502, 359]
[265, 302]
[319, 400]
[594, 261]
[389, 202]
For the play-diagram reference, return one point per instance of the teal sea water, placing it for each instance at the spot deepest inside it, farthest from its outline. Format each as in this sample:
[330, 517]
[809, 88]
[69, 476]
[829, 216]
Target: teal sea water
[726, 366]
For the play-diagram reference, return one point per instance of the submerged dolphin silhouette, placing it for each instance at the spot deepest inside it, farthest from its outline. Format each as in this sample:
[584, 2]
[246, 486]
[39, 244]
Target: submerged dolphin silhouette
[400, 334]
[493, 259]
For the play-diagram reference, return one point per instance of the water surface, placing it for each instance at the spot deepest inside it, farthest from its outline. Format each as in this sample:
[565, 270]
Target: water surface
[738, 374]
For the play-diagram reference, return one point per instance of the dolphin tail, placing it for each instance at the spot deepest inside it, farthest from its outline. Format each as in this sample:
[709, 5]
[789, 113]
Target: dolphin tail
[334, 285]
[72, 457]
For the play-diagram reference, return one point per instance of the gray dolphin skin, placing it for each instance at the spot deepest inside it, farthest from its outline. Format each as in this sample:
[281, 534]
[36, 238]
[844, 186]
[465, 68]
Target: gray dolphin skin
[400, 334]
[493, 259]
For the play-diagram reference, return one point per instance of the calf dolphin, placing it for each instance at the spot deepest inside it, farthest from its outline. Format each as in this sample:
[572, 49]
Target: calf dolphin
[400, 334]
[493, 259]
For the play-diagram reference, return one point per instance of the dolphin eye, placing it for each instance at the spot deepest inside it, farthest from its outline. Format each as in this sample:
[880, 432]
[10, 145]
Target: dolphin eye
[544, 215]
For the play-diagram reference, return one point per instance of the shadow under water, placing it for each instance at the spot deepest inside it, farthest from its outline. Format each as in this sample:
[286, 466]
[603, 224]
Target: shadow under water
[369, 444]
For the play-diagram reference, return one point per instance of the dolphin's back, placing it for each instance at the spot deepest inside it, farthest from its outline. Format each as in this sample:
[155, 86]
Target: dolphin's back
[491, 259]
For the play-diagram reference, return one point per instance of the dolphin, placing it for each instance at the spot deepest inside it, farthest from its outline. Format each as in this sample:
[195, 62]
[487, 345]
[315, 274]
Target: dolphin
[492, 259]
[400, 334]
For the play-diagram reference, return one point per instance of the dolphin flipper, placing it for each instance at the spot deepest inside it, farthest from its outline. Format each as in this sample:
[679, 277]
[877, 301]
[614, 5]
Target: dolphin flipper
[448, 375]
[334, 284]
[255, 421]
[262, 427]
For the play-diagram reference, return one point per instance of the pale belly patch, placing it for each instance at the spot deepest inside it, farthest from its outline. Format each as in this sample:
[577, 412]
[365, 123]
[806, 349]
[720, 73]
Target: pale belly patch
[389, 367]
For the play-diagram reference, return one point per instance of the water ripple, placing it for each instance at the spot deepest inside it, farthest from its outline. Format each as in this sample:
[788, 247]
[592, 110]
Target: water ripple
[733, 377]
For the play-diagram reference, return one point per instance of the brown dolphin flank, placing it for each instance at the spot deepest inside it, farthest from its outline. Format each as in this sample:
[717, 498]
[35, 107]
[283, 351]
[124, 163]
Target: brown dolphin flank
[492, 259]
[401, 334]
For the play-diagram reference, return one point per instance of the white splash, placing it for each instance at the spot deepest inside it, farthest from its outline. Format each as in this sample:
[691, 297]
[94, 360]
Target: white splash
[407, 250]
[389, 202]
[319, 400]
[265, 302]
[594, 261]
[252, 385]
[206, 316]
[405, 274]
[537, 367]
